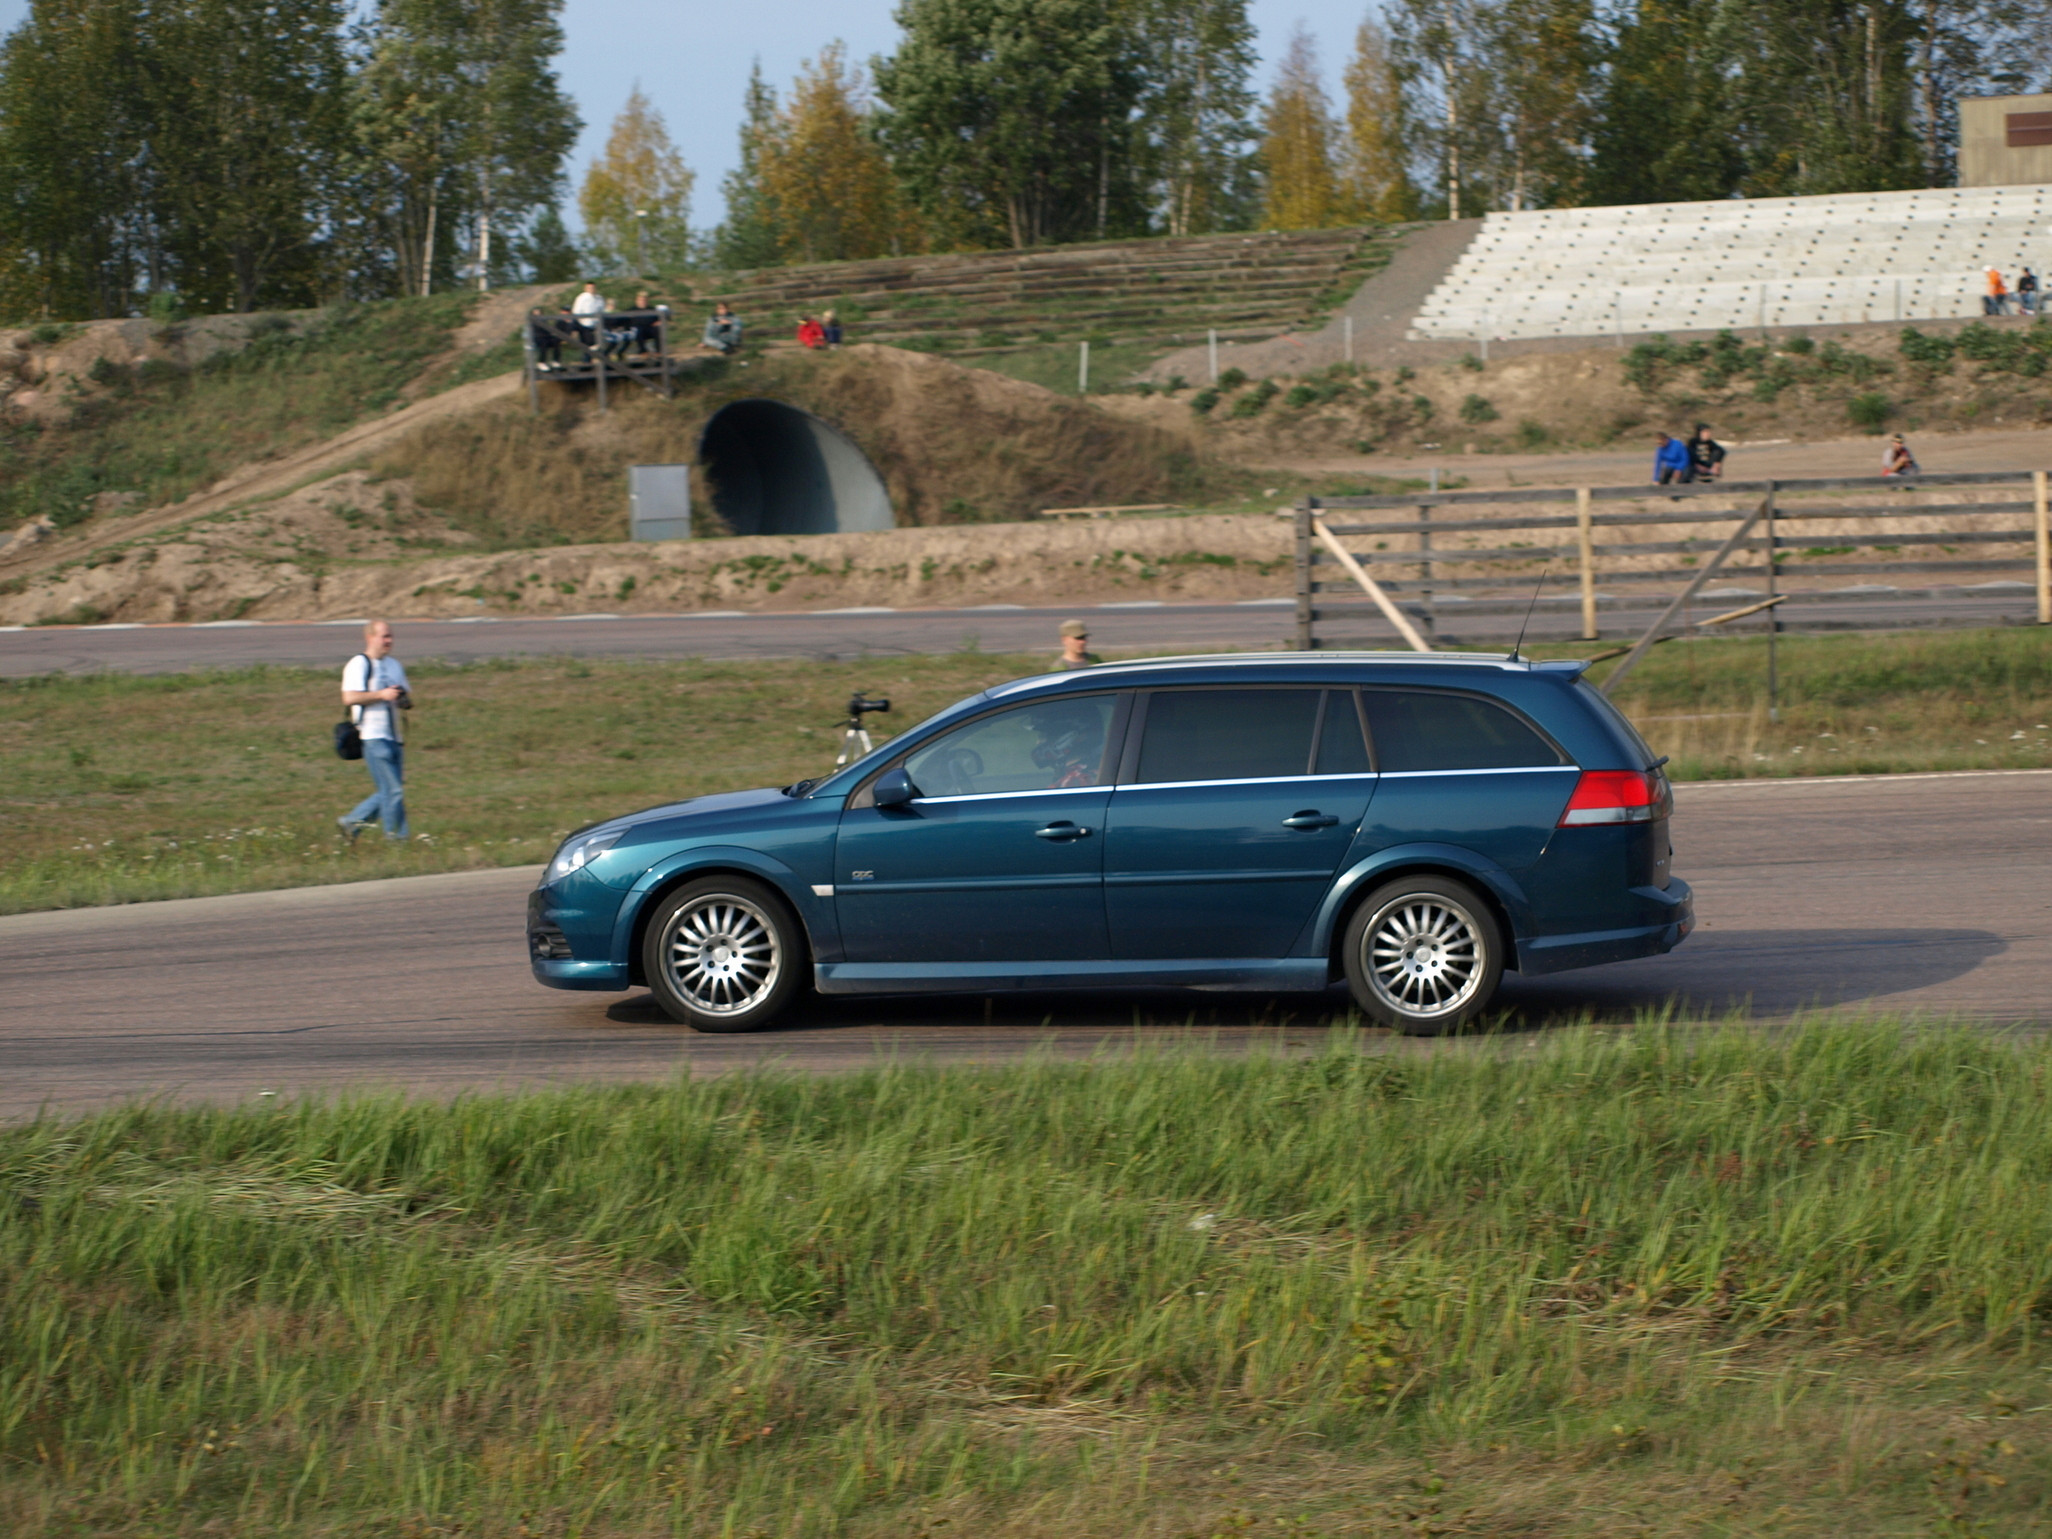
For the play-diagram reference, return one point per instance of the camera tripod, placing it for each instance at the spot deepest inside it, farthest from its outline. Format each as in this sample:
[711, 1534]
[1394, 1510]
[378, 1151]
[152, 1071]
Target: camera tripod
[855, 739]
[854, 743]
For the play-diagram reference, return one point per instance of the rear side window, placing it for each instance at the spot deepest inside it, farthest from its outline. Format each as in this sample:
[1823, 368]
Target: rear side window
[1414, 730]
[1227, 734]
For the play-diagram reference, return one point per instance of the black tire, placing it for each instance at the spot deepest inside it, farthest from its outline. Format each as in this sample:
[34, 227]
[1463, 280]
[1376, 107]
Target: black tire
[724, 954]
[1423, 954]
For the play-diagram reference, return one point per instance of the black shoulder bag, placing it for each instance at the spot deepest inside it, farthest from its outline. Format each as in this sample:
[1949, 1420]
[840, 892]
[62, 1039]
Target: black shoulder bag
[348, 741]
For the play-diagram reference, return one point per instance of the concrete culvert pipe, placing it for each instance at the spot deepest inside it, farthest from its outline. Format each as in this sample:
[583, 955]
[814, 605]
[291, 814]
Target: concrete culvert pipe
[774, 469]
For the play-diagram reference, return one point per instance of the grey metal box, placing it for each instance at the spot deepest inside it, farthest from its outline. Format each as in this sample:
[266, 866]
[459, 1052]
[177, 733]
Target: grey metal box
[659, 502]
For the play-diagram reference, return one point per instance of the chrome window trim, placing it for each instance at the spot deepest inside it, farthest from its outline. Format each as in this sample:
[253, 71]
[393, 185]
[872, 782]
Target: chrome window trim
[1516, 769]
[1003, 796]
[1251, 780]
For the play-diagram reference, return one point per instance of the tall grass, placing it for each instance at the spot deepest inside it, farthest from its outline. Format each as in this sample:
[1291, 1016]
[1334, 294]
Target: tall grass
[1600, 1284]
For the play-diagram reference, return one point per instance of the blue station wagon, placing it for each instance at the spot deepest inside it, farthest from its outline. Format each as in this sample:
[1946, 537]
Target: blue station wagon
[1413, 824]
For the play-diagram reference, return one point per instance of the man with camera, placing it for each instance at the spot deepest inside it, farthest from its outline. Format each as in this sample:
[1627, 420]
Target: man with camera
[375, 690]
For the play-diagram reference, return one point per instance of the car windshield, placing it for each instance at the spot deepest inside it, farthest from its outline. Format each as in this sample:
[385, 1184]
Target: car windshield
[841, 779]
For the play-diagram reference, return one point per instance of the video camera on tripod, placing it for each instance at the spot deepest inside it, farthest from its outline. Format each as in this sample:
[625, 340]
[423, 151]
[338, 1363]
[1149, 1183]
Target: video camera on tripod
[854, 735]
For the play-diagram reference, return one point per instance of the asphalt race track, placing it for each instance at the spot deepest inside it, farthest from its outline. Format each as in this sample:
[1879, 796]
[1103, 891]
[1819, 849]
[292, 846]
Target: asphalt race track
[1259, 625]
[1912, 894]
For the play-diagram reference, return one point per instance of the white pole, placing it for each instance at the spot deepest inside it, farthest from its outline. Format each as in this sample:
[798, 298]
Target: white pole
[1349, 325]
[1485, 334]
[1083, 371]
[1214, 355]
[1617, 313]
[1898, 299]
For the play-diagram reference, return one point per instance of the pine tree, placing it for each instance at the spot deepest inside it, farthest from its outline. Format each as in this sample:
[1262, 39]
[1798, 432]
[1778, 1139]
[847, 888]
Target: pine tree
[548, 252]
[1011, 120]
[1195, 111]
[1378, 174]
[1299, 147]
[823, 173]
[636, 198]
[748, 236]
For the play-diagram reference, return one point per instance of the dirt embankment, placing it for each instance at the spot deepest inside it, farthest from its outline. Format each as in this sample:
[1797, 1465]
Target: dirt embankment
[953, 445]
[340, 550]
[1858, 379]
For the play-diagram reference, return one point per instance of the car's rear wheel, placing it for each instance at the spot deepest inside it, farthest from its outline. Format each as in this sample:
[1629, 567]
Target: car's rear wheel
[1423, 954]
[724, 954]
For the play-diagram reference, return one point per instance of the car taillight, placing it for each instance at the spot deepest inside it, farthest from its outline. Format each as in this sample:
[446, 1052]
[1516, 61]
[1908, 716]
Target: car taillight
[1617, 796]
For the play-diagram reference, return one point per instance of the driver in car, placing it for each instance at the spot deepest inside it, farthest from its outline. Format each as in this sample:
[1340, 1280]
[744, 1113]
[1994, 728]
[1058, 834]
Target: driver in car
[1071, 743]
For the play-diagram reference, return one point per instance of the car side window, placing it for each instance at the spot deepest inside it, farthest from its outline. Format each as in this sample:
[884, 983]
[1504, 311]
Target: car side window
[1227, 734]
[1049, 745]
[1415, 730]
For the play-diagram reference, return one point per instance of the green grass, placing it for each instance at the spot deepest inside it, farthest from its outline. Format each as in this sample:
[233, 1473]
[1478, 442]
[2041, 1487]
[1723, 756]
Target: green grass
[126, 788]
[165, 433]
[1055, 364]
[1652, 1283]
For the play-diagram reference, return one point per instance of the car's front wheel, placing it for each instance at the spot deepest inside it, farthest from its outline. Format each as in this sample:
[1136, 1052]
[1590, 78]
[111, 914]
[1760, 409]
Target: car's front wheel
[1423, 954]
[724, 954]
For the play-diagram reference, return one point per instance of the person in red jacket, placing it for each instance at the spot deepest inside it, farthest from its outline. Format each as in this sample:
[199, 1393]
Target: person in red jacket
[810, 332]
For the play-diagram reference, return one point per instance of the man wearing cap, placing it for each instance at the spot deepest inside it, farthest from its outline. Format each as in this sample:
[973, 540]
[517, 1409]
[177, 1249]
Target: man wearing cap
[1074, 634]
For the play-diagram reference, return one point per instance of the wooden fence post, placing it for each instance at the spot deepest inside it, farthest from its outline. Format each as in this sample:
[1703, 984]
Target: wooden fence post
[2044, 526]
[1425, 571]
[1586, 538]
[1773, 615]
[1305, 573]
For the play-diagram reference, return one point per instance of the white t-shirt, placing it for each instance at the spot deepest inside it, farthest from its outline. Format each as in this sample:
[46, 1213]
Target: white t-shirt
[588, 304]
[374, 720]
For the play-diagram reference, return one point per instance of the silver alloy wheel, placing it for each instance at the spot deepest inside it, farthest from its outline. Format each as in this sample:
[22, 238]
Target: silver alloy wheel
[723, 957]
[1424, 956]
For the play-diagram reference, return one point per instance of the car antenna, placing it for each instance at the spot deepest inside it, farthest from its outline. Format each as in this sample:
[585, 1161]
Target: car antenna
[1544, 567]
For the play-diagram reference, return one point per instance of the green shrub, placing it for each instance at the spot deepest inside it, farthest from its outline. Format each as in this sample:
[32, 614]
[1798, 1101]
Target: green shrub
[1534, 435]
[1204, 400]
[1930, 352]
[1232, 379]
[1477, 409]
[49, 334]
[1869, 411]
[1471, 363]
[1802, 347]
[1255, 401]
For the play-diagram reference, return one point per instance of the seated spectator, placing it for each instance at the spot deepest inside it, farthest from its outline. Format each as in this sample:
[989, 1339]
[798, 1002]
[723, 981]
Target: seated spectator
[570, 331]
[2027, 292]
[649, 321]
[1896, 459]
[1706, 455]
[832, 329]
[1997, 302]
[590, 312]
[810, 332]
[547, 341]
[722, 330]
[1671, 462]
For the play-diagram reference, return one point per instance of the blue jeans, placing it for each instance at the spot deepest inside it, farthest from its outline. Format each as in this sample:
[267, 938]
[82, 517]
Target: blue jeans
[386, 760]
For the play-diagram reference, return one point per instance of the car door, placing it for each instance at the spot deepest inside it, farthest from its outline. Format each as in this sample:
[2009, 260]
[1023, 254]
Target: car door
[1000, 855]
[1231, 818]
[1462, 770]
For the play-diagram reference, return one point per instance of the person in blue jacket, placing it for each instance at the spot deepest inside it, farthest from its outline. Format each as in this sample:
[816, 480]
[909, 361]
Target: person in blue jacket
[1671, 461]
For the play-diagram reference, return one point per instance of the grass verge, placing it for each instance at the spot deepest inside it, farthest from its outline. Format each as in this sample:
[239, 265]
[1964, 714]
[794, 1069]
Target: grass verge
[1665, 1282]
[129, 788]
[163, 432]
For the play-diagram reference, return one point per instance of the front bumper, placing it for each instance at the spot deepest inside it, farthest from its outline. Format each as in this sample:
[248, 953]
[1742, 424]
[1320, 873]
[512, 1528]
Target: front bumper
[556, 930]
[1672, 914]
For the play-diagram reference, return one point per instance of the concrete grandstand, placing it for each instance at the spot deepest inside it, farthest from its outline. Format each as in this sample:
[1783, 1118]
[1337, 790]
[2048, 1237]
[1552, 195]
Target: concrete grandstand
[1743, 264]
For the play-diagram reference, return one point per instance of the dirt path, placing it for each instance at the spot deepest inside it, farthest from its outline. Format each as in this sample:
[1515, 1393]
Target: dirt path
[255, 482]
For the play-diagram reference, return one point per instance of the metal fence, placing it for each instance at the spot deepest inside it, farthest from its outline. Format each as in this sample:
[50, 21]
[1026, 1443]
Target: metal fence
[1638, 553]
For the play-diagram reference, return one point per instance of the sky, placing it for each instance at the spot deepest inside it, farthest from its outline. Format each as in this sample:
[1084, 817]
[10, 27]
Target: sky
[692, 60]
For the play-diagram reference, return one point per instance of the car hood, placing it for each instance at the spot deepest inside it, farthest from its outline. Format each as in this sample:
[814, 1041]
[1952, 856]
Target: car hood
[720, 804]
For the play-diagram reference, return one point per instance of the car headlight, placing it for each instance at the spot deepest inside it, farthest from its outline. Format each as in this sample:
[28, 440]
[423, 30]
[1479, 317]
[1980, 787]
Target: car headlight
[579, 851]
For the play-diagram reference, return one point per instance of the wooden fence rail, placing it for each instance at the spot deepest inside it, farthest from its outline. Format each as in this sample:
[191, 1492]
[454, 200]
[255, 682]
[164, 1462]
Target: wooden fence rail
[1762, 511]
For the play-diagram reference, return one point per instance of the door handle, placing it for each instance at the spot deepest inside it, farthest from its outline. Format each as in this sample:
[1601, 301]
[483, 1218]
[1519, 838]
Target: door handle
[1061, 831]
[1312, 819]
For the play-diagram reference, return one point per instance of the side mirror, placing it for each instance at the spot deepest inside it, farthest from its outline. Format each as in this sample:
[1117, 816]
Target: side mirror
[894, 788]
